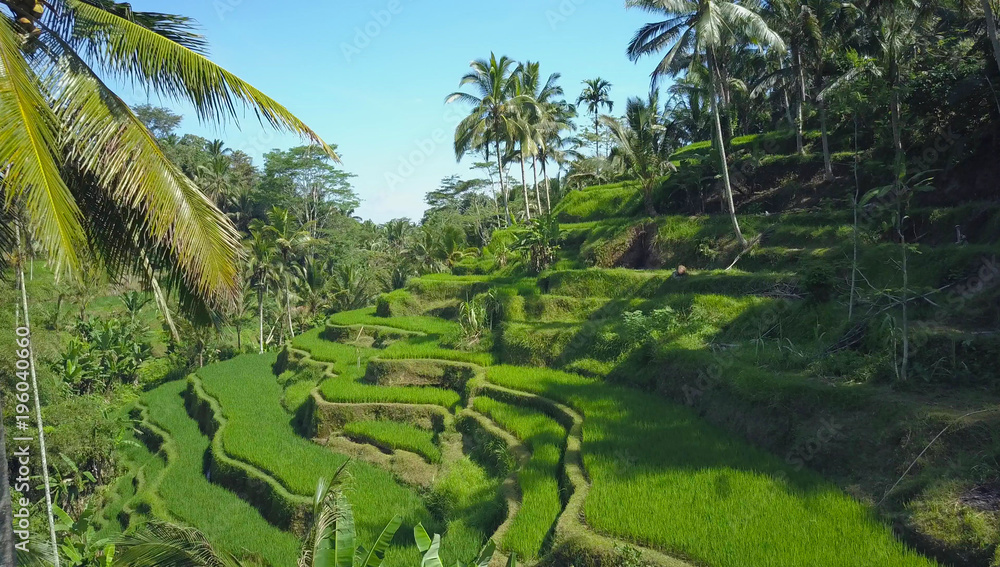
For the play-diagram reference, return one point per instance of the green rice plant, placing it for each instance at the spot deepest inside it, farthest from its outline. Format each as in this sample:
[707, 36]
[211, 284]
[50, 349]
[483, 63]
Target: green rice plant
[228, 521]
[297, 394]
[418, 323]
[396, 436]
[538, 478]
[258, 432]
[663, 477]
[342, 390]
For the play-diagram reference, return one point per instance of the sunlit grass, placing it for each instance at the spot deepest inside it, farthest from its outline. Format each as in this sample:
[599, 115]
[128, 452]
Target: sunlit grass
[394, 435]
[259, 432]
[538, 478]
[224, 518]
[663, 477]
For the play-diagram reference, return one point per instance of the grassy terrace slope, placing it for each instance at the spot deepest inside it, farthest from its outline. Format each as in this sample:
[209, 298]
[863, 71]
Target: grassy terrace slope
[664, 478]
[661, 477]
[187, 496]
[259, 433]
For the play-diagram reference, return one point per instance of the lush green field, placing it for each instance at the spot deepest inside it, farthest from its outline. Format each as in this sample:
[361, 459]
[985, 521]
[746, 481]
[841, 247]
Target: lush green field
[664, 478]
[259, 433]
[396, 436]
[187, 496]
[538, 478]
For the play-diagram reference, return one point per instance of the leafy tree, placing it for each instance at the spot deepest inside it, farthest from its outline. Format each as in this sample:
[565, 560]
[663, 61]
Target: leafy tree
[541, 242]
[289, 239]
[308, 183]
[262, 251]
[161, 122]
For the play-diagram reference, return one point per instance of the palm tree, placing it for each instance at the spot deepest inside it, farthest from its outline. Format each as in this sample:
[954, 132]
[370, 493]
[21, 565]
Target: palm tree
[551, 117]
[57, 112]
[796, 21]
[596, 93]
[85, 170]
[701, 27]
[643, 145]
[494, 115]
[216, 180]
[262, 250]
[289, 239]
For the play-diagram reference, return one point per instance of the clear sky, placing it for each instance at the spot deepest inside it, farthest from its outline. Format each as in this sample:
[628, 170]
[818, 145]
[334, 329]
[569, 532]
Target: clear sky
[374, 82]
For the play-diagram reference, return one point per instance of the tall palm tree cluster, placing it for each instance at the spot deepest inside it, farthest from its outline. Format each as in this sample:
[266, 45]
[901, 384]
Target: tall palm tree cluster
[751, 67]
[516, 117]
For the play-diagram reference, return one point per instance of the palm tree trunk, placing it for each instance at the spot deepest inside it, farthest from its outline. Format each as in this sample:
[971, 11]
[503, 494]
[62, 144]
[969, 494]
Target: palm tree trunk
[548, 196]
[161, 300]
[503, 188]
[647, 197]
[260, 313]
[524, 186]
[897, 132]
[991, 29]
[6, 509]
[597, 134]
[855, 235]
[538, 195]
[788, 109]
[905, 365]
[38, 412]
[800, 146]
[723, 161]
[827, 159]
[288, 307]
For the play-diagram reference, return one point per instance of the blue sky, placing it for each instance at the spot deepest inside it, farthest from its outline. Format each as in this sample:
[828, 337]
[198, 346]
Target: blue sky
[372, 76]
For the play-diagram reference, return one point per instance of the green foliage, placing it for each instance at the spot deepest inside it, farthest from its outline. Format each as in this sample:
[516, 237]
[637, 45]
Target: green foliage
[104, 352]
[189, 497]
[540, 241]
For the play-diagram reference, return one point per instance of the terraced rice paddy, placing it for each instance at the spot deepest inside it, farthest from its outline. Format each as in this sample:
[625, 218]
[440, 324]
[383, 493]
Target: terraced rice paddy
[659, 477]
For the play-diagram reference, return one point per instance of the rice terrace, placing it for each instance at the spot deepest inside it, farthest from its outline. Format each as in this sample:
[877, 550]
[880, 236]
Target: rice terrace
[723, 292]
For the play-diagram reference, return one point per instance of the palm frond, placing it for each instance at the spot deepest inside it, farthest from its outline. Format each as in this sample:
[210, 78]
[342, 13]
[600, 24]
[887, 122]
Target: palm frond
[29, 146]
[107, 142]
[133, 52]
[166, 545]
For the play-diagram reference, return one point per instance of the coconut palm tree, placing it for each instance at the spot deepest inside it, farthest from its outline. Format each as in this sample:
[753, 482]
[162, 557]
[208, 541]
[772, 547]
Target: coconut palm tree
[596, 93]
[798, 24]
[493, 120]
[549, 119]
[551, 143]
[702, 28]
[643, 145]
[85, 172]
[261, 253]
[57, 111]
[289, 239]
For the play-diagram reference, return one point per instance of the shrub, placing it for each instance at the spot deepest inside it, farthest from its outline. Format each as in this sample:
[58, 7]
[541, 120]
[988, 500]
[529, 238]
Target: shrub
[397, 303]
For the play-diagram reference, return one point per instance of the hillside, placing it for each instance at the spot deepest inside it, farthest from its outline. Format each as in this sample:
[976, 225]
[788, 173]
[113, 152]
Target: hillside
[609, 410]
